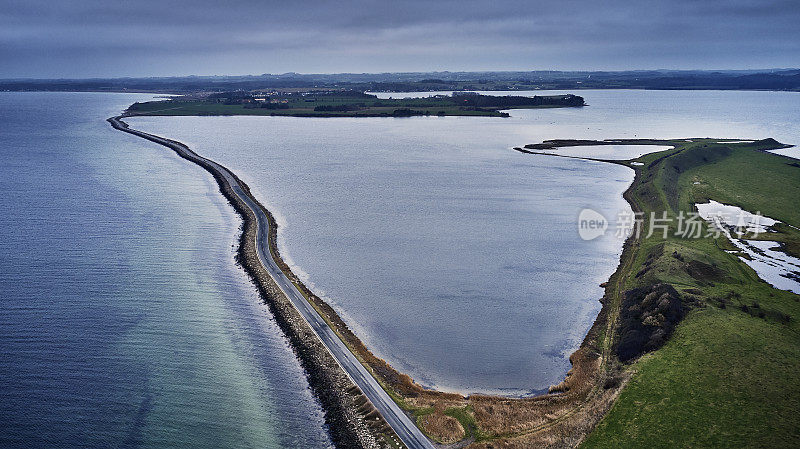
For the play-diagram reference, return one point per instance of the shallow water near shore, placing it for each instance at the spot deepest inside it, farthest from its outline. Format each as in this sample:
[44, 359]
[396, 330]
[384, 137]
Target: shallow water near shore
[124, 321]
[452, 256]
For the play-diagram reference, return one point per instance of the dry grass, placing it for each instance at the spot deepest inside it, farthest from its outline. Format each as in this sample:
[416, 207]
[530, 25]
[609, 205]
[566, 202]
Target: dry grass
[441, 427]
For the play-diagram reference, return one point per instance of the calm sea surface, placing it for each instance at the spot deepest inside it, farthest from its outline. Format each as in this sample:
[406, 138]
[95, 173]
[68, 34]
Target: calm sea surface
[124, 321]
[452, 256]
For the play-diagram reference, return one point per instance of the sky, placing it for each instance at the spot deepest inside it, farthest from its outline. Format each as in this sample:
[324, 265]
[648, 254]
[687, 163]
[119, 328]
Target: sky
[84, 39]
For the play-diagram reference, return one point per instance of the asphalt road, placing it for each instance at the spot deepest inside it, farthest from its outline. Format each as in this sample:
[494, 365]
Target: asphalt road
[405, 428]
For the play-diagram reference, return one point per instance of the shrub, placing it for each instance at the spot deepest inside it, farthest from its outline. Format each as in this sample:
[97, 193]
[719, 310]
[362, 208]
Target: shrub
[648, 316]
[405, 112]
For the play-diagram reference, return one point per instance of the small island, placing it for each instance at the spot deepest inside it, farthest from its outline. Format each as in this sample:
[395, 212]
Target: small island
[346, 103]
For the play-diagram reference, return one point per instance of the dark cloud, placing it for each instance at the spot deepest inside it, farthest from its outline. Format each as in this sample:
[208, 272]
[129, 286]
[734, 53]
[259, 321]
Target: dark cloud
[149, 37]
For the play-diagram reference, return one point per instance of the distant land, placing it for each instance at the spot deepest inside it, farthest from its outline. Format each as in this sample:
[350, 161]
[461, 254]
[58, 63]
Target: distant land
[347, 103]
[767, 79]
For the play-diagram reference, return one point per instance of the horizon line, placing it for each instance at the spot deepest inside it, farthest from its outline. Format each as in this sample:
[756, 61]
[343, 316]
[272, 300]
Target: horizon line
[262, 75]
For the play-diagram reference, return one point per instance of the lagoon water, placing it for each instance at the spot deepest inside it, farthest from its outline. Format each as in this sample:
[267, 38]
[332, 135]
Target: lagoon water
[454, 257]
[124, 321]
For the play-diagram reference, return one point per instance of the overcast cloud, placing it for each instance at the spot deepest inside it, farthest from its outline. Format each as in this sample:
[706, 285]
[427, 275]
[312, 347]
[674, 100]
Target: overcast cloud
[47, 39]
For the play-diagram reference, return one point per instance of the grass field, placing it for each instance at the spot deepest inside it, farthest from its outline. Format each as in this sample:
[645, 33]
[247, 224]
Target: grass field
[726, 377]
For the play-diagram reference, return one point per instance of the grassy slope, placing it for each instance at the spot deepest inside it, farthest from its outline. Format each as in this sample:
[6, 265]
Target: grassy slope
[727, 376]
[726, 379]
